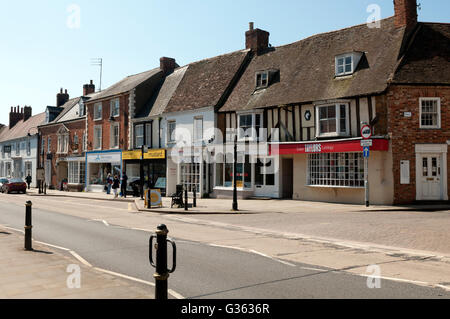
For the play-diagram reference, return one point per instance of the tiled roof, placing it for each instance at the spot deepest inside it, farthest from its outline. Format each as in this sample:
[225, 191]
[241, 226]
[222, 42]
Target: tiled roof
[307, 68]
[21, 129]
[428, 58]
[205, 82]
[126, 84]
[163, 94]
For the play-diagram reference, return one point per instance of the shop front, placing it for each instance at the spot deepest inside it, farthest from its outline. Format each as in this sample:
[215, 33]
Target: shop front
[76, 173]
[98, 165]
[154, 169]
[333, 171]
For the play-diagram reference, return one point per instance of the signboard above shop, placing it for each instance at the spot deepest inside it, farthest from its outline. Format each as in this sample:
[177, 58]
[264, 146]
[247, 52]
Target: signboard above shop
[104, 157]
[326, 147]
[151, 154]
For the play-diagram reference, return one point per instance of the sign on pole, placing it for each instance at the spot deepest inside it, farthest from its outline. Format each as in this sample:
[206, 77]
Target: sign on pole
[366, 132]
[366, 151]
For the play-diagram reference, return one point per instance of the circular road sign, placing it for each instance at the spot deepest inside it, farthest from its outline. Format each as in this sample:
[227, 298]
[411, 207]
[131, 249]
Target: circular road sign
[366, 132]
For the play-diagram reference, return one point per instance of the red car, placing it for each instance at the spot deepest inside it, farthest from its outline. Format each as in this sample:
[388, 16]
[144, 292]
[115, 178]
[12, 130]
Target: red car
[14, 185]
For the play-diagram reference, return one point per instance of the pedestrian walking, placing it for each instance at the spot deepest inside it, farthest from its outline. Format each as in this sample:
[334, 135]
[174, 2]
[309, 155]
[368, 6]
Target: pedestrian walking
[115, 186]
[124, 185]
[109, 182]
[28, 180]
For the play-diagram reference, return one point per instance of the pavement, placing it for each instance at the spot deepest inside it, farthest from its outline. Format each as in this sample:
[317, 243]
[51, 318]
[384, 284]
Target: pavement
[46, 273]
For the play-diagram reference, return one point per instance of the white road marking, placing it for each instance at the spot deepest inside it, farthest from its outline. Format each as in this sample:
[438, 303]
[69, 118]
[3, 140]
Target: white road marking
[170, 291]
[314, 269]
[273, 258]
[54, 246]
[80, 259]
[18, 230]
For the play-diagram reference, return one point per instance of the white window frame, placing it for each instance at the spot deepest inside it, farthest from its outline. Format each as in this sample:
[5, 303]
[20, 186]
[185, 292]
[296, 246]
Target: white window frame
[115, 104]
[75, 142]
[136, 136]
[84, 142]
[98, 108]
[171, 138]
[112, 129]
[260, 84]
[338, 120]
[198, 133]
[17, 148]
[254, 129]
[438, 119]
[325, 170]
[344, 57]
[82, 109]
[49, 145]
[96, 139]
[76, 172]
[43, 146]
[148, 132]
[28, 147]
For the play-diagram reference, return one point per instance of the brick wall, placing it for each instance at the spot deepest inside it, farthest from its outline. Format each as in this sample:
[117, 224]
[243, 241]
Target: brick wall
[75, 127]
[106, 124]
[406, 132]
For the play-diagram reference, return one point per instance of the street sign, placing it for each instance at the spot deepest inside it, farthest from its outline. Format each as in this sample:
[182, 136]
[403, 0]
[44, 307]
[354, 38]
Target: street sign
[366, 151]
[366, 132]
[366, 143]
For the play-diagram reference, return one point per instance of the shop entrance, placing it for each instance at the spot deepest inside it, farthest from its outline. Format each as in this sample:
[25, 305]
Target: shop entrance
[265, 173]
[287, 177]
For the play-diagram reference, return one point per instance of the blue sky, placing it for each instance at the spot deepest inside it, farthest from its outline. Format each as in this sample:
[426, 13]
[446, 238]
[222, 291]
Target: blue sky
[44, 49]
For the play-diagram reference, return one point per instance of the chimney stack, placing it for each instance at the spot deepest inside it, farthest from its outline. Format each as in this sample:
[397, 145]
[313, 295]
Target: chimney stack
[405, 13]
[61, 98]
[15, 116]
[255, 39]
[167, 65]
[88, 88]
[26, 113]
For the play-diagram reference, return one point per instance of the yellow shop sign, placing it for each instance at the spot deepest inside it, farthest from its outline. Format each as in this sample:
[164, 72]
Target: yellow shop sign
[151, 154]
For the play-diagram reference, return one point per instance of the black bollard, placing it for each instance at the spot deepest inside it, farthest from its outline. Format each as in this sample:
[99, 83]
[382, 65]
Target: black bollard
[28, 226]
[45, 188]
[194, 203]
[185, 199]
[162, 273]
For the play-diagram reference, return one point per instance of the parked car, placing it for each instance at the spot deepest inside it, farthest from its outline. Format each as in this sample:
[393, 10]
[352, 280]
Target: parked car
[14, 185]
[3, 180]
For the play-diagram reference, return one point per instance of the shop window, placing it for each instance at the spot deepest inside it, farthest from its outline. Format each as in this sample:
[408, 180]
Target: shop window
[76, 173]
[430, 113]
[190, 176]
[332, 120]
[336, 170]
[264, 172]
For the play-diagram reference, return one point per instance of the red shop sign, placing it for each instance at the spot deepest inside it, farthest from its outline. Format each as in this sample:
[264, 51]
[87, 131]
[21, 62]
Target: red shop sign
[326, 147]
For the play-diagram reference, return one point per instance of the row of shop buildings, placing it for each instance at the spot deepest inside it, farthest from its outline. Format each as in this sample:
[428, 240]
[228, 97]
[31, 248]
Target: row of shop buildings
[295, 113]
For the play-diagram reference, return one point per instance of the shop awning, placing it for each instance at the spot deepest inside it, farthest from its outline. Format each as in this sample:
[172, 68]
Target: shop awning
[333, 146]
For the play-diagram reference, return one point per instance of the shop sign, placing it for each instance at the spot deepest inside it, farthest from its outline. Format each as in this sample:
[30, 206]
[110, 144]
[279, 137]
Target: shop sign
[151, 154]
[104, 157]
[327, 147]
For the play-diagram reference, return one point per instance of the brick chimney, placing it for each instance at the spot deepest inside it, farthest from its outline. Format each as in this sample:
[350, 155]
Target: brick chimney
[26, 113]
[167, 65]
[61, 98]
[15, 116]
[405, 13]
[256, 39]
[88, 88]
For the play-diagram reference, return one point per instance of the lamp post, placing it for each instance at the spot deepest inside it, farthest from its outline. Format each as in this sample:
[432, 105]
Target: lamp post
[235, 203]
[144, 149]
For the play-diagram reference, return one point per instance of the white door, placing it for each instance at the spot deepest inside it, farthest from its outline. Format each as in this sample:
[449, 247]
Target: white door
[266, 174]
[431, 177]
[48, 172]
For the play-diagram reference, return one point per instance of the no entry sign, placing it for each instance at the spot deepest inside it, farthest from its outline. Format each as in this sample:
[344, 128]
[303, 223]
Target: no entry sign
[366, 132]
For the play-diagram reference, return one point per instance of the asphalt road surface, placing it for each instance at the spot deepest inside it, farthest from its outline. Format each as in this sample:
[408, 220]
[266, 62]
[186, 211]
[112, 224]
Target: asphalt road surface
[203, 271]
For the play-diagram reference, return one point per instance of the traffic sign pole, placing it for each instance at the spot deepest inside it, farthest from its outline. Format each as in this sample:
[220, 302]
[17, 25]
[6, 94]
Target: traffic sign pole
[366, 180]
[366, 133]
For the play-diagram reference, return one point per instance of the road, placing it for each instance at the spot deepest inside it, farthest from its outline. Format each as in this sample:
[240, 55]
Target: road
[203, 270]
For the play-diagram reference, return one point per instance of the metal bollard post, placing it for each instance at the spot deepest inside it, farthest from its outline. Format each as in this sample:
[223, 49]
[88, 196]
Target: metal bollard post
[162, 273]
[28, 226]
[149, 199]
[45, 188]
[194, 204]
[185, 199]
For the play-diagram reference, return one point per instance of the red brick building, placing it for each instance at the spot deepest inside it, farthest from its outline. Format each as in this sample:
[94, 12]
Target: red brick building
[63, 140]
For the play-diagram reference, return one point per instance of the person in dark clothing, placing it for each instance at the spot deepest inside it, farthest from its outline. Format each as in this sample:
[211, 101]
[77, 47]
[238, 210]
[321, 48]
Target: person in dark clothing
[28, 180]
[115, 185]
[124, 185]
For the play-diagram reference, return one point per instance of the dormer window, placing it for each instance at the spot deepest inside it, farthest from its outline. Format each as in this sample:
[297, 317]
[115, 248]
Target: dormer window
[262, 79]
[346, 63]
